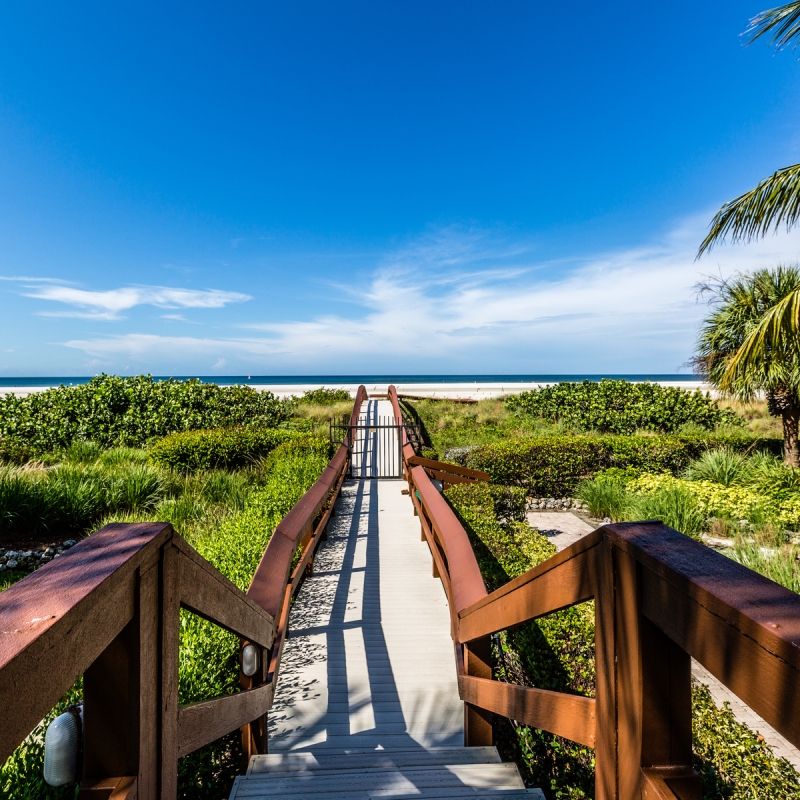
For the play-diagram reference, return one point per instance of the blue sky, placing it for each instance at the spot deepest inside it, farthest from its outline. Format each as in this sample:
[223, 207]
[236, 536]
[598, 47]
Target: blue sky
[300, 188]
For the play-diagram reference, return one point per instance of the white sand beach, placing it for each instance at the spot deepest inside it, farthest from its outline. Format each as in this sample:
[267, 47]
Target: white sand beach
[473, 391]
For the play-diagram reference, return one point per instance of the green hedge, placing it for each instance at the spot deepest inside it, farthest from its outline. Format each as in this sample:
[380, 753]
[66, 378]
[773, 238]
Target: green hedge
[112, 410]
[621, 407]
[557, 653]
[553, 466]
[227, 447]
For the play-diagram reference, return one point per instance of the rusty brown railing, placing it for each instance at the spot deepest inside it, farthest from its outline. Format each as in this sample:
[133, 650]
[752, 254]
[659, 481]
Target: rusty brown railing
[108, 609]
[661, 599]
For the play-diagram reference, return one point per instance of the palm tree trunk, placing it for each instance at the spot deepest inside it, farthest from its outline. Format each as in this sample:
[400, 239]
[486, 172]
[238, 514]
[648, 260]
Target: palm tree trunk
[791, 448]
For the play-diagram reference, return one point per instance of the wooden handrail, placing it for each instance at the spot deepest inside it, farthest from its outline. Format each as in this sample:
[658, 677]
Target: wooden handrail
[108, 609]
[661, 598]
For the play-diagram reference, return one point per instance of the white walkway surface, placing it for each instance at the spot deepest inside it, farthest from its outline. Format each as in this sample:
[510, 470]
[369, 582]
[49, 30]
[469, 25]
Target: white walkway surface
[376, 449]
[369, 662]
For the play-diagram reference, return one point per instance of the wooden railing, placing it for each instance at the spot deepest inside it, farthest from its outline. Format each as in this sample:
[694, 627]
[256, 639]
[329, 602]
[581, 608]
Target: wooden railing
[108, 609]
[661, 599]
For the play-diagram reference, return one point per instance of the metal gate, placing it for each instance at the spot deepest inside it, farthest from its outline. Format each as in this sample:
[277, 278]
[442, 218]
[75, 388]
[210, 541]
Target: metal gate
[376, 446]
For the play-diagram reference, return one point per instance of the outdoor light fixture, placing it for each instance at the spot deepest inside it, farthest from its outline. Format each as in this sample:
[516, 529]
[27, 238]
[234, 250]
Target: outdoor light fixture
[249, 660]
[62, 746]
[438, 485]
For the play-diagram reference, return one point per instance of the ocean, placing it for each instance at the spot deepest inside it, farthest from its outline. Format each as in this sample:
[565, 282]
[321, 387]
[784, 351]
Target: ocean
[227, 380]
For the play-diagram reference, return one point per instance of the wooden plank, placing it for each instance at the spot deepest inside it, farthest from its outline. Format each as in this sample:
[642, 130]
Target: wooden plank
[760, 609]
[465, 576]
[75, 637]
[764, 681]
[453, 469]
[208, 593]
[566, 715]
[148, 675]
[569, 581]
[170, 645]
[64, 615]
[204, 722]
[446, 477]
[110, 789]
[605, 675]
[670, 783]
[272, 574]
[477, 717]
[629, 676]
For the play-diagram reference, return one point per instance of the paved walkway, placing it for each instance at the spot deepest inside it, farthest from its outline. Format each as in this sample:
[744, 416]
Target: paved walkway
[564, 528]
[369, 662]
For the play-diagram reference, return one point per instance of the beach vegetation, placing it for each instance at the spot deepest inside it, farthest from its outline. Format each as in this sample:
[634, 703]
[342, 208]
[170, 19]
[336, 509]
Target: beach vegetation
[112, 411]
[738, 306]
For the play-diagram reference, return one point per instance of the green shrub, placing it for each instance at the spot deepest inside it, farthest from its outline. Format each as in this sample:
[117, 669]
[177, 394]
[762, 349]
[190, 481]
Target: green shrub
[222, 447]
[14, 452]
[733, 761]
[554, 466]
[111, 410]
[621, 407]
[325, 397]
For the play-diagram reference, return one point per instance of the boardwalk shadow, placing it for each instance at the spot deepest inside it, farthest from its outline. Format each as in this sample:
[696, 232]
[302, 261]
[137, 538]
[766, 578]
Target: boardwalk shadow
[341, 689]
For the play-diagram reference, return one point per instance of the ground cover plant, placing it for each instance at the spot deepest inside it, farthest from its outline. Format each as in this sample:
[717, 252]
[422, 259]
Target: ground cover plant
[112, 410]
[621, 407]
[557, 653]
[721, 491]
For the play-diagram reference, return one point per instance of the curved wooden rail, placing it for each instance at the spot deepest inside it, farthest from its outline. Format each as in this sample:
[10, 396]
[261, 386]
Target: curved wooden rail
[108, 610]
[661, 598]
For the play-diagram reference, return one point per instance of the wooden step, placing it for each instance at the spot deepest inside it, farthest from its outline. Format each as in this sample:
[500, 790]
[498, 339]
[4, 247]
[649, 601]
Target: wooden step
[456, 780]
[376, 759]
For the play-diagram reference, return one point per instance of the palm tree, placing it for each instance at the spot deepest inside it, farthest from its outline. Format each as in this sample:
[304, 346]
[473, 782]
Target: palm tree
[738, 308]
[775, 200]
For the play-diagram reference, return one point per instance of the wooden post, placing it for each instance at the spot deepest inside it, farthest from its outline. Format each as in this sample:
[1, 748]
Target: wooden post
[120, 698]
[605, 780]
[254, 734]
[477, 721]
[170, 632]
[654, 712]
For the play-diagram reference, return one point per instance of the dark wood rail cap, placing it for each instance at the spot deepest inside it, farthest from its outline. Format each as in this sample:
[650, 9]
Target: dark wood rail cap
[465, 575]
[270, 578]
[32, 606]
[760, 608]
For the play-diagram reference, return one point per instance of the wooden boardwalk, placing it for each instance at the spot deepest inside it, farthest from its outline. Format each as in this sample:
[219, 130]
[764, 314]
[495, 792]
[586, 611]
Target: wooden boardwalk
[369, 662]
[367, 704]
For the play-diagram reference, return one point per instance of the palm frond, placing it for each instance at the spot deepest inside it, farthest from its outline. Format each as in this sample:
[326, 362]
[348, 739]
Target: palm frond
[782, 23]
[776, 199]
[778, 329]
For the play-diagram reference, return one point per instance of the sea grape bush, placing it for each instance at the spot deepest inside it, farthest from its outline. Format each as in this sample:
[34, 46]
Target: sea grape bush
[621, 407]
[112, 410]
[325, 397]
[226, 448]
[553, 466]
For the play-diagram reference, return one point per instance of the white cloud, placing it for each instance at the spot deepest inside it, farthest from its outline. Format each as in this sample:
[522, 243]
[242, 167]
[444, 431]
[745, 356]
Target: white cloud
[473, 302]
[108, 305]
